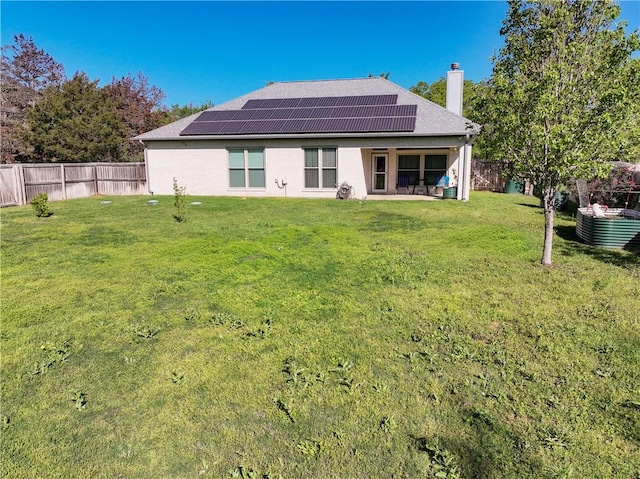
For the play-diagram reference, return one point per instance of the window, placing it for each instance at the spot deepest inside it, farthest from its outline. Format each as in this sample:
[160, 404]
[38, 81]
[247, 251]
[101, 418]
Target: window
[246, 167]
[435, 168]
[409, 169]
[320, 167]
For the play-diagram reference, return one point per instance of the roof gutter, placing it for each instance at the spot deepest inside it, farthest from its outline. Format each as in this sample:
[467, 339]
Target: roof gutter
[303, 136]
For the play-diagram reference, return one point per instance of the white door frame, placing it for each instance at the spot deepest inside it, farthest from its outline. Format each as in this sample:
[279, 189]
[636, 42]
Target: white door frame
[375, 174]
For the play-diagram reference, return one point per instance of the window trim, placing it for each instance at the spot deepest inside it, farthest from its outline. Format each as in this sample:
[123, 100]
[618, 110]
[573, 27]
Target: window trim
[246, 168]
[320, 168]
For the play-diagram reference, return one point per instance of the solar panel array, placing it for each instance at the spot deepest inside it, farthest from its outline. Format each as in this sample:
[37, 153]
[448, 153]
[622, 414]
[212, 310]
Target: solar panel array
[345, 114]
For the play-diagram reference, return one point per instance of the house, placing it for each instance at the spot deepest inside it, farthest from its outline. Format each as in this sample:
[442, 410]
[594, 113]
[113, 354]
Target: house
[303, 139]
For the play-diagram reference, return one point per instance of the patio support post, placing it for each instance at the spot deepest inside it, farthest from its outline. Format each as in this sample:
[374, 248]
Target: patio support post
[466, 180]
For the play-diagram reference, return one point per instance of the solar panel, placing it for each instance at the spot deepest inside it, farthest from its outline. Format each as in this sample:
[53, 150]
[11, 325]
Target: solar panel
[290, 102]
[252, 104]
[338, 114]
[261, 114]
[207, 116]
[310, 102]
[242, 115]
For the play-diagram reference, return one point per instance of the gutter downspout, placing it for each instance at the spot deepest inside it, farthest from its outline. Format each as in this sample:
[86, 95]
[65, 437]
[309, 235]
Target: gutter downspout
[146, 167]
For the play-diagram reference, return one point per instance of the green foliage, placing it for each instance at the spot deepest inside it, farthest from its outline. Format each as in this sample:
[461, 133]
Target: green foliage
[443, 464]
[472, 92]
[40, 204]
[437, 93]
[563, 96]
[142, 332]
[179, 202]
[177, 377]
[53, 354]
[176, 112]
[74, 123]
[79, 399]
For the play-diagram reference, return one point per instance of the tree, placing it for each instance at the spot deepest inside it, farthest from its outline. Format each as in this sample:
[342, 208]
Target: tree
[26, 72]
[437, 93]
[76, 122]
[138, 105]
[176, 112]
[564, 95]
[471, 94]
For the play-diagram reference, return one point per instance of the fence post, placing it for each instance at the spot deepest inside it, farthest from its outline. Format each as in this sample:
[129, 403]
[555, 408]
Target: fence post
[23, 186]
[95, 176]
[64, 185]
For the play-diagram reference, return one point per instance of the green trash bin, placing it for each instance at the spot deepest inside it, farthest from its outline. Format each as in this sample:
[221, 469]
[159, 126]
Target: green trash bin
[514, 187]
[451, 192]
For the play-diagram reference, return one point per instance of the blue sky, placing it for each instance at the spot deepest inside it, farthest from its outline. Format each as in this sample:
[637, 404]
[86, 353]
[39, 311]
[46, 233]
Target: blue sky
[201, 51]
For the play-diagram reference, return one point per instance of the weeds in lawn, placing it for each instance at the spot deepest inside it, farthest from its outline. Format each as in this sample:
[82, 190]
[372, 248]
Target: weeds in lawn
[260, 332]
[443, 464]
[177, 377]
[142, 332]
[286, 408]
[5, 421]
[220, 319]
[388, 424]
[192, 314]
[294, 372]
[248, 473]
[79, 399]
[310, 448]
[53, 355]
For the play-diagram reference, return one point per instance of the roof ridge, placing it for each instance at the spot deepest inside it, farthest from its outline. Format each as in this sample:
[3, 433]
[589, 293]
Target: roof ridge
[326, 80]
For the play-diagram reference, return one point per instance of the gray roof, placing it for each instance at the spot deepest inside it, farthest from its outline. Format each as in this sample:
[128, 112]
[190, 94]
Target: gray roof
[431, 119]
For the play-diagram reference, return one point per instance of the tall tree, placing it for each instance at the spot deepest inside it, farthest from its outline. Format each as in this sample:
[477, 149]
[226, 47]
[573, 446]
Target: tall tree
[564, 94]
[77, 122]
[26, 71]
[138, 103]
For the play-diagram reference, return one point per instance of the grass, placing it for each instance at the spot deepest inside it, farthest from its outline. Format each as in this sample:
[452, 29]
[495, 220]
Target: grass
[269, 338]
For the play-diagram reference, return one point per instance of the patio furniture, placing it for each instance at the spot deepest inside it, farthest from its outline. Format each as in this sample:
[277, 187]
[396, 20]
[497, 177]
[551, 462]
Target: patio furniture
[403, 182]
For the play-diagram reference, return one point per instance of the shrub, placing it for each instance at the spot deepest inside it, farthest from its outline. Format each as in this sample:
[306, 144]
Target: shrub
[40, 204]
[179, 202]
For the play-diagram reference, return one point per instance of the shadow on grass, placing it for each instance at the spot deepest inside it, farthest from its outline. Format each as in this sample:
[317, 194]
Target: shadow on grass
[535, 207]
[573, 246]
[489, 451]
[384, 221]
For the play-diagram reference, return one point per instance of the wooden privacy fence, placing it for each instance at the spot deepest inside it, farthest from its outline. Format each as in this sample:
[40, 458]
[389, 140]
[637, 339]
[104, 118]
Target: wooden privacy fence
[487, 175]
[19, 183]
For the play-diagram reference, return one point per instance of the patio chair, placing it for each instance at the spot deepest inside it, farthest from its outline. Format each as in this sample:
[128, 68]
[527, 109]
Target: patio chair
[403, 182]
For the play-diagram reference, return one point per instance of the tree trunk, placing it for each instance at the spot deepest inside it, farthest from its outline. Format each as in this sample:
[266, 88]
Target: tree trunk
[547, 200]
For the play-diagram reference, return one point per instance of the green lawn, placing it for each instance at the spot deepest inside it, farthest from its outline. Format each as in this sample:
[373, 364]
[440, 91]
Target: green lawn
[269, 338]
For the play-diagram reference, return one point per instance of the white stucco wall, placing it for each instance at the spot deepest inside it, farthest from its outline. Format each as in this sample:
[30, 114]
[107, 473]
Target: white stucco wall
[202, 166]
